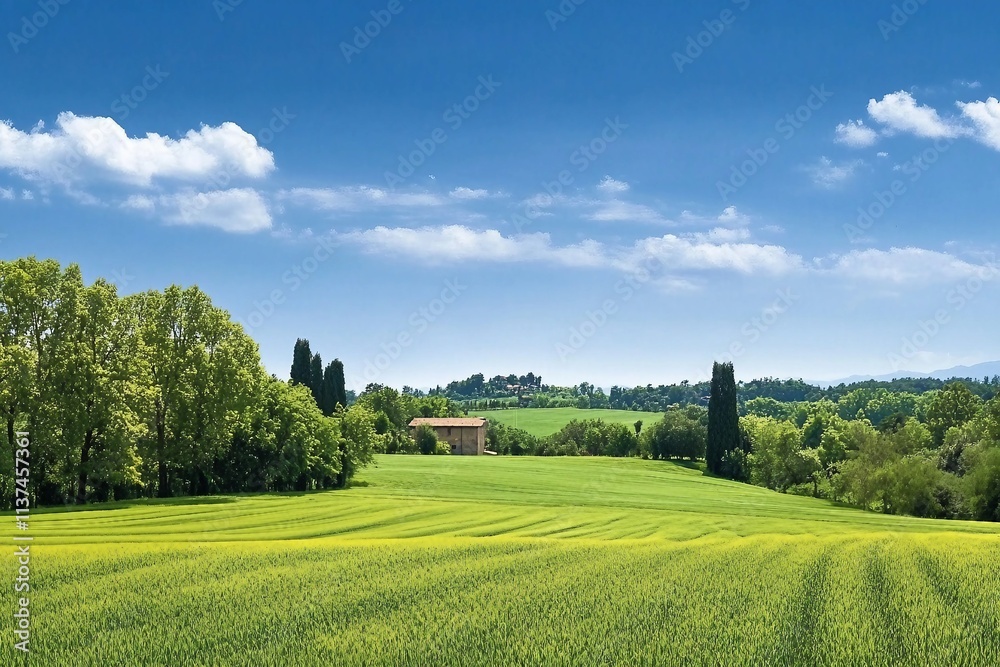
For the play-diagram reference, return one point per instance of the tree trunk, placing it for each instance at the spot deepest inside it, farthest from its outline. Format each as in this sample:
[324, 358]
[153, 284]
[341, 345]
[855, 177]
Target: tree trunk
[11, 435]
[81, 491]
[163, 490]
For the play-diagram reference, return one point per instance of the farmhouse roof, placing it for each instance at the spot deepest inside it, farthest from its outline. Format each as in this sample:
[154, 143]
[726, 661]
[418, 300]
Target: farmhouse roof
[433, 421]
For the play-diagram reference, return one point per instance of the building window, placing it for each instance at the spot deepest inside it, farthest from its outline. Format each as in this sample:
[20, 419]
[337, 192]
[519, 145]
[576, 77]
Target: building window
[449, 430]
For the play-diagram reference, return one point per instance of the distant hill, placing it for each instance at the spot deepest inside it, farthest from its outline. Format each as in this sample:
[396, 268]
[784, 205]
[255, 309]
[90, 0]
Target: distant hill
[976, 372]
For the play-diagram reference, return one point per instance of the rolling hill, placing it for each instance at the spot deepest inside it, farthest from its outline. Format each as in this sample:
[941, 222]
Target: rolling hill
[510, 561]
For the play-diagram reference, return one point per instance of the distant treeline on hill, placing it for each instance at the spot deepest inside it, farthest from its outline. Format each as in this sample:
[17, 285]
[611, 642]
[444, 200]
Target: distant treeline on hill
[528, 391]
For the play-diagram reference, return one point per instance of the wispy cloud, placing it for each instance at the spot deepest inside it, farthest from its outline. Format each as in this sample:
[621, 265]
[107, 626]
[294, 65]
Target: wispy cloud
[828, 174]
[241, 210]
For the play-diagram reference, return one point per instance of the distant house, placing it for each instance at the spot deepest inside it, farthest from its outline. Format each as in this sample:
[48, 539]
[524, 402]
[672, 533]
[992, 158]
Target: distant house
[466, 436]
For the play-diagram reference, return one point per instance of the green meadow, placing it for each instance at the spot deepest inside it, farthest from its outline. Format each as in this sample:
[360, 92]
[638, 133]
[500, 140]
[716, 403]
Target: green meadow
[509, 561]
[546, 421]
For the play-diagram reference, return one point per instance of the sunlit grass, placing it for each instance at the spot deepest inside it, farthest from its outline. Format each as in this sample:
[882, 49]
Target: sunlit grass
[510, 561]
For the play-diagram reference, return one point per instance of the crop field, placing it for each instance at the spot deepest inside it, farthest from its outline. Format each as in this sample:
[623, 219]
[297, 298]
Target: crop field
[546, 421]
[509, 561]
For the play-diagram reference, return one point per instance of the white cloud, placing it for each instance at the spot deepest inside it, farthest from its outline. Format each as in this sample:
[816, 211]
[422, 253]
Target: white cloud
[899, 112]
[732, 216]
[969, 84]
[451, 243]
[724, 235]
[358, 198]
[701, 252]
[985, 116]
[6, 193]
[905, 266]
[616, 210]
[240, 210]
[856, 134]
[612, 186]
[84, 147]
[828, 174]
[694, 252]
[470, 194]
[27, 195]
[883, 154]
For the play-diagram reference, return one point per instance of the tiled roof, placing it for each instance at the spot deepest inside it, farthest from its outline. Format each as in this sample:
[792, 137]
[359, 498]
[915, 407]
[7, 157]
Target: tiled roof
[450, 421]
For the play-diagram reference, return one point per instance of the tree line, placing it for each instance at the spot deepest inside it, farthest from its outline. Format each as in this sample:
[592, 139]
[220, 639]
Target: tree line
[158, 393]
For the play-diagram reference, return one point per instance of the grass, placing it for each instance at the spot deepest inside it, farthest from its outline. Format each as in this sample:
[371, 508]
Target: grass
[510, 561]
[546, 421]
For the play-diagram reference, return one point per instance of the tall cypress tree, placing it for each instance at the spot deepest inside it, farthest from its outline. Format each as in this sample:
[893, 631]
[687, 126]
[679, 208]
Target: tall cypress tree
[329, 392]
[723, 419]
[301, 359]
[316, 378]
[340, 385]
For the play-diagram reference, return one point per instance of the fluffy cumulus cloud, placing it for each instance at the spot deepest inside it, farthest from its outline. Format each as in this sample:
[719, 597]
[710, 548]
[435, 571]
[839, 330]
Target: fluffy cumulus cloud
[6, 193]
[856, 134]
[985, 116]
[239, 210]
[899, 112]
[86, 147]
[353, 199]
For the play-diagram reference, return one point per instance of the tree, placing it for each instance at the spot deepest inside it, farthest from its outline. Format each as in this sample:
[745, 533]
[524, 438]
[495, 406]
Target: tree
[316, 378]
[952, 406]
[723, 418]
[675, 436]
[328, 393]
[301, 372]
[426, 438]
[339, 384]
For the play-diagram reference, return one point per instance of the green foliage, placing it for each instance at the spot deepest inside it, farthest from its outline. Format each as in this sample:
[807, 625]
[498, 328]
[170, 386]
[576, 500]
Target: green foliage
[157, 393]
[677, 435]
[426, 439]
[724, 448]
[953, 406]
[504, 439]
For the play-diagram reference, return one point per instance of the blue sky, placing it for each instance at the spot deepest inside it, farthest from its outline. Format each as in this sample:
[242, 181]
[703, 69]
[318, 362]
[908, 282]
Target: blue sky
[586, 190]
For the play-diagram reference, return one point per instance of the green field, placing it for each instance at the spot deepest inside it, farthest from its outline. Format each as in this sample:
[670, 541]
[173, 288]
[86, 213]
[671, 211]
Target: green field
[546, 421]
[509, 561]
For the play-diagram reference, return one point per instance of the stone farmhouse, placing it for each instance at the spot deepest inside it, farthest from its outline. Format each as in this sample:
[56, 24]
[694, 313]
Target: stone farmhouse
[466, 436]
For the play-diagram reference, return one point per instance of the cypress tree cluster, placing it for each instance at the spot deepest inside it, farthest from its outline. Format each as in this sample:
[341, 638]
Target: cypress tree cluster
[327, 385]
